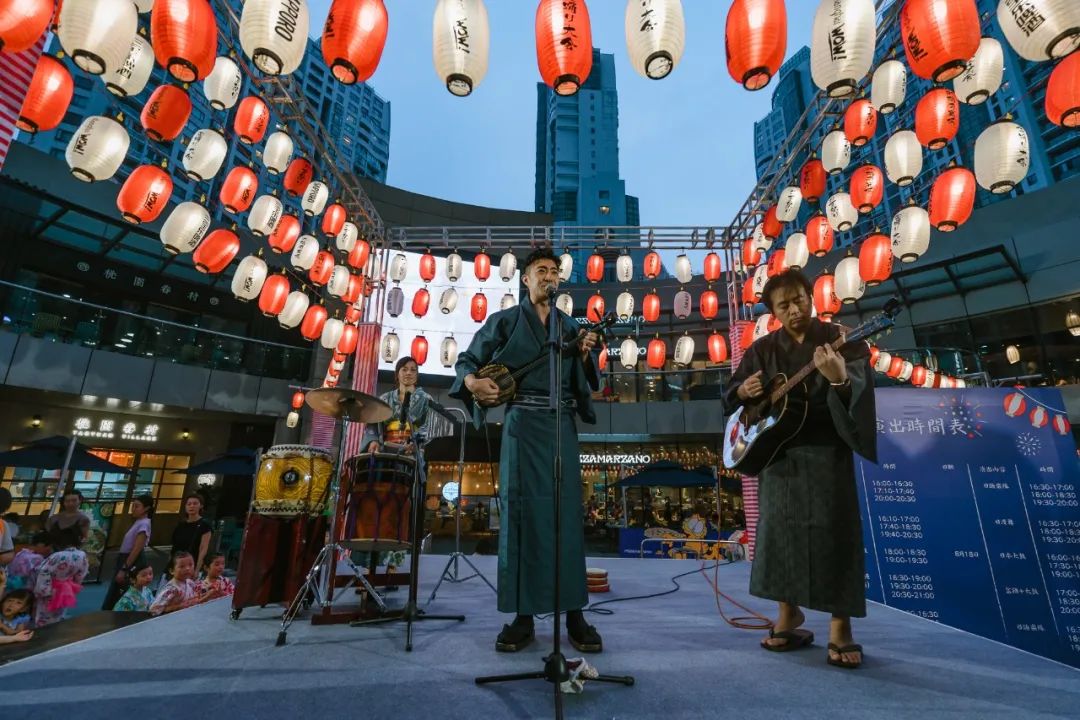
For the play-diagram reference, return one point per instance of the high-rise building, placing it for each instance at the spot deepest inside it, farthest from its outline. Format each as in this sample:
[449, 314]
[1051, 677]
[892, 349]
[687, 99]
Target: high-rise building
[793, 94]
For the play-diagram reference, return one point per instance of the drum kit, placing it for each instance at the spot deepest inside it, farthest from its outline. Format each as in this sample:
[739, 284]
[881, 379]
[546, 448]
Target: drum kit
[376, 496]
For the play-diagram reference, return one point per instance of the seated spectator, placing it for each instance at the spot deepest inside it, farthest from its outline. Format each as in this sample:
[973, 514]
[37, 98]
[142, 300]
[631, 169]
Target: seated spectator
[12, 519]
[70, 516]
[181, 591]
[59, 578]
[138, 596]
[213, 578]
[22, 572]
[131, 549]
[16, 611]
[7, 540]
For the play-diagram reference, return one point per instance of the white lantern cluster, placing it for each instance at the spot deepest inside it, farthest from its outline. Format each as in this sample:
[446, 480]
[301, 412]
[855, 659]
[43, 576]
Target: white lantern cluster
[655, 47]
[624, 306]
[131, 76]
[796, 252]
[277, 152]
[889, 86]
[347, 236]
[841, 212]
[835, 152]
[788, 203]
[849, 285]
[910, 233]
[1002, 156]
[842, 50]
[304, 252]
[624, 268]
[454, 267]
[1056, 34]
[684, 272]
[903, 157]
[684, 351]
[507, 266]
[315, 197]
[628, 353]
[205, 154]
[448, 301]
[274, 34]
[448, 351]
[222, 85]
[97, 34]
[460, 40]
[265, 215]
[982, 75]
[249, 277]
[296, 306]
[184, 228]
[97, 149]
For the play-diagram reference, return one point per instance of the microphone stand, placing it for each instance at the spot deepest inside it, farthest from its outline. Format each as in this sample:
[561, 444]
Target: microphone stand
[555, 671]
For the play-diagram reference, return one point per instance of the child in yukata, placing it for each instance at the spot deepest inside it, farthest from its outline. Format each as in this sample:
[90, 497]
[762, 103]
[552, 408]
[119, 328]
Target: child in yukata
[138, 597]
[22, 572]
[182, 591]
[213, 578]
[59, 577]
[16, 612]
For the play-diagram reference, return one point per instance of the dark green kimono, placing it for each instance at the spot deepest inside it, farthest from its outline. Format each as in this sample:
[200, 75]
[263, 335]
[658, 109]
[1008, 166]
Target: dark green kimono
[513, 338]
[809, 542]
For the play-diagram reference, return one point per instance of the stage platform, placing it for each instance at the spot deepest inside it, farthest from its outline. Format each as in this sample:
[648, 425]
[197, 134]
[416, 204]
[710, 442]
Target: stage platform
[687, 661]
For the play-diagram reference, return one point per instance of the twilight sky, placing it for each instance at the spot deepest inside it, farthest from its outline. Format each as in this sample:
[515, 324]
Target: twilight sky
[685, 142]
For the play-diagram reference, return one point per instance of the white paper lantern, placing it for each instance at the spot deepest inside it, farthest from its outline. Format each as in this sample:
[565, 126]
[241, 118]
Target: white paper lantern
[222, 85]
[448, 301]
[682, 304]
[274, 34]
[928, 381]
[205, 154]
[97, 149]
[905, 371]
[97, 34]
[624, 306]
[292, 419]
[796, 251]
[453, 267]
[903, 157]
[910, 233]
[835, 152]
[296, 306]
[1040, 29]
[848, 283]
[331, 333]
[391, 346]
[131, 76]
[840, 211]
[683, 271]
[508, 301]
[761, 276]
[507, 266]
[842, 45]
[249, 277]
[346, 237]
[565, 303]
[884, 360]
[460, 38]
[982, 75]
[628, 353]
[338, 284]
[395, 301]
[624, 268]
[1002, 156]
[566, 266]
[184, 228]
[399, 266]
[889, 86]
[277, 152]
[655, 36]
[761, 326]
[684, 351]
[265, 215]
[788, 203]
[315, 197]
[760, 240]
[304, 252]
[448, 351]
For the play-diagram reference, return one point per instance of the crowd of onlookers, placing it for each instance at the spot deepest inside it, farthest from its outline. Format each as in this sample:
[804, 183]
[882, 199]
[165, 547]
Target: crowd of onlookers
[40, 584]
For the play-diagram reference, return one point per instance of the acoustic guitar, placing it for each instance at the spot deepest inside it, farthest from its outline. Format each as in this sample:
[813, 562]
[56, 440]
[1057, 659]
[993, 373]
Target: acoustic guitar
[757, 431]
[507, 379]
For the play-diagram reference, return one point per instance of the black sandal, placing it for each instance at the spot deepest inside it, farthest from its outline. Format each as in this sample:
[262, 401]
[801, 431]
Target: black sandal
[514, 638]
[839, 662]
[796, 640]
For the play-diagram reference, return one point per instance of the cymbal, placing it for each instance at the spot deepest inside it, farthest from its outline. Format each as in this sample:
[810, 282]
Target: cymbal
[351, 404]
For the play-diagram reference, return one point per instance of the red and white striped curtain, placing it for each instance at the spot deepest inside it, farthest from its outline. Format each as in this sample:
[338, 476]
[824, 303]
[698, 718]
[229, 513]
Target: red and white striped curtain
[16, 72]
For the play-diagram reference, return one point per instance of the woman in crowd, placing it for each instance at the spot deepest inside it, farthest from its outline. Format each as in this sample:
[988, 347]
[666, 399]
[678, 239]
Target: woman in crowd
[192, 534]
[138, 596]
[59, 578]
[70, 516]
[181, 591]
[131, 549]
[22, 572]
[213, 577]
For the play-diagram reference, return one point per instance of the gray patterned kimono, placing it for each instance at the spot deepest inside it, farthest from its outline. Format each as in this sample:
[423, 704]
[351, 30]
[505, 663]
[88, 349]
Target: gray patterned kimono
[809, 543]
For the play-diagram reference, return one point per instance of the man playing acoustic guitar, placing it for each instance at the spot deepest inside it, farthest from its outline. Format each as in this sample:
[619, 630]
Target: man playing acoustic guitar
[809, 544]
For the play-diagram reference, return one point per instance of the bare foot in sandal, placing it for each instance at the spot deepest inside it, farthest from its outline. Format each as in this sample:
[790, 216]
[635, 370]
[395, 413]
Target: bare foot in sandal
[785, 634]
[843, 651]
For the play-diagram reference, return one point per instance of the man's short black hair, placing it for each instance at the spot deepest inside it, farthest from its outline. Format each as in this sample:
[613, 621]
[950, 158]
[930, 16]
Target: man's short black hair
[540, 253]
[785, 280]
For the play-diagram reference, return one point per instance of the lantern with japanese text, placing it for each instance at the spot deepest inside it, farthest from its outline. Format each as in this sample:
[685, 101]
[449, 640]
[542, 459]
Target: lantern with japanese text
[453, 267]
[939, 38]
[507, 266]
[860, 122]
[842, 49]
[867, 188]
[656, 355]
[718, 349]
[624, 268]
[314, 200]
[1002, 156]
[297, 176]
[770, 225]
[478, 307]
[22, 23]
[184, 228]
[840, 212]
[265, 215]
[166, 112]
[274, 293]
[765, 325]
[304, 252]
[826, 302]
[835, 152]
[184, 36]
[848, 283]
[322, 268]
[952, 199]
[482, 266]
[460, 42]
[594, 309]
[296, 306]
[338, 284]
[819, 236]
[131, 76]
[655, 36]
[796, 251]
[777, 262]
[96, 33]
[448, 351]
[812, 180]
[346, 237]
[564, 45]
[352, 294]
[910, 233]
[875, 259]
[249, 278]
[982, 75]
[420, 302]
[684, 351]
[144, 194]
[251, 120]
[624, 306]
[761, 242]
[97, 149]
[681, 304]
[204, 154]
[652, 265]
[1063, 93]
[395, 301]
[761, 276]
[1040, 29]
[709, 304]
[903, 157]
[755, 39]
[937, 118]
[788, 203]
[889, 86]
[216, 251]
[222, 86]
[48, 97]
[353, 39]
[650, 307]
[274, 34]
[314, 320]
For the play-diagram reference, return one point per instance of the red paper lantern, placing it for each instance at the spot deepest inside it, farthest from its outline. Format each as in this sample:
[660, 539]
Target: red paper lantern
[358, 256]
[749, 297]
[48, 97]
[867, 188]
[939, 37]
[825, 300]
[595, 309]
[937, 118]
[22, 22]
[272, 297]
[216, 251]
[860, 122]
[297, 176]
[718, 350]
[419, 349]
[777, 263]
[252, 119]
[874, 352]
[952, 199]
[333, 219]
[322, 268]
[166, 112]
[745, 333]
[712, 267]
[756, 40]
[352, 313]
[650, 307]
[812, 180]
[353, 38]
[564, 45]
[184, 35]
[751, 253]
[594, 269]
[1063, 92]
[652, 265]
[144, 194]
[819, 236]
[656, 355]
[354, 289]
[709, 304]
[875, 259]
[427, 267]
[896, 366]
[285, 234]
[771, 225]
[482, 266]
[421, 301]
[350, 336]
[918, 374]
[297, 400]
[311, 326]
[238, 191]
[478, 307]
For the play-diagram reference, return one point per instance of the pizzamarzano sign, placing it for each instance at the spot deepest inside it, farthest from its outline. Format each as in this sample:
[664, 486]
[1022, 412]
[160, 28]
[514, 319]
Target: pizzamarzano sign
[606, 459]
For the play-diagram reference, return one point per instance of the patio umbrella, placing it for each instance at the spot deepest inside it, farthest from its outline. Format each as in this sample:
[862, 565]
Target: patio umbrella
[238, 461]
[58, 453]
[665, 473]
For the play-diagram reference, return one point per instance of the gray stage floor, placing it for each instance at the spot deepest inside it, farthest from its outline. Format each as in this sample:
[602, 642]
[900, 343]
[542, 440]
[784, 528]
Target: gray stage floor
[687, 661]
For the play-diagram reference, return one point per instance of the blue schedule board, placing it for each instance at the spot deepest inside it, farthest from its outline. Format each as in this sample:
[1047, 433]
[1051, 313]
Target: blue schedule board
[971, 517]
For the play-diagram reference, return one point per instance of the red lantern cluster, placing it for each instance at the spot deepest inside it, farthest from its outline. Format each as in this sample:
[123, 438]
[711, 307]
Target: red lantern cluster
[952, 199]
[939, 37]
[216, 251]
[144, 194]
[937, 118]
[867, 188]
[285, 234]
[875, 259]
[564, 45]
[184, 36]
[252, 119]
[47, 98]
[166, 113]
[353, 38]
[860, 122]
[756, 40]
[812, 180]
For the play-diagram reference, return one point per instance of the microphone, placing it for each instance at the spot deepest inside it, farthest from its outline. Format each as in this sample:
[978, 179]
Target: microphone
[440, 409]
[551, 290]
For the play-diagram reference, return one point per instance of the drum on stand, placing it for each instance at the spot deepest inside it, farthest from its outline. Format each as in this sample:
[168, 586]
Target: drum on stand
[378, 509]
[292, 480]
